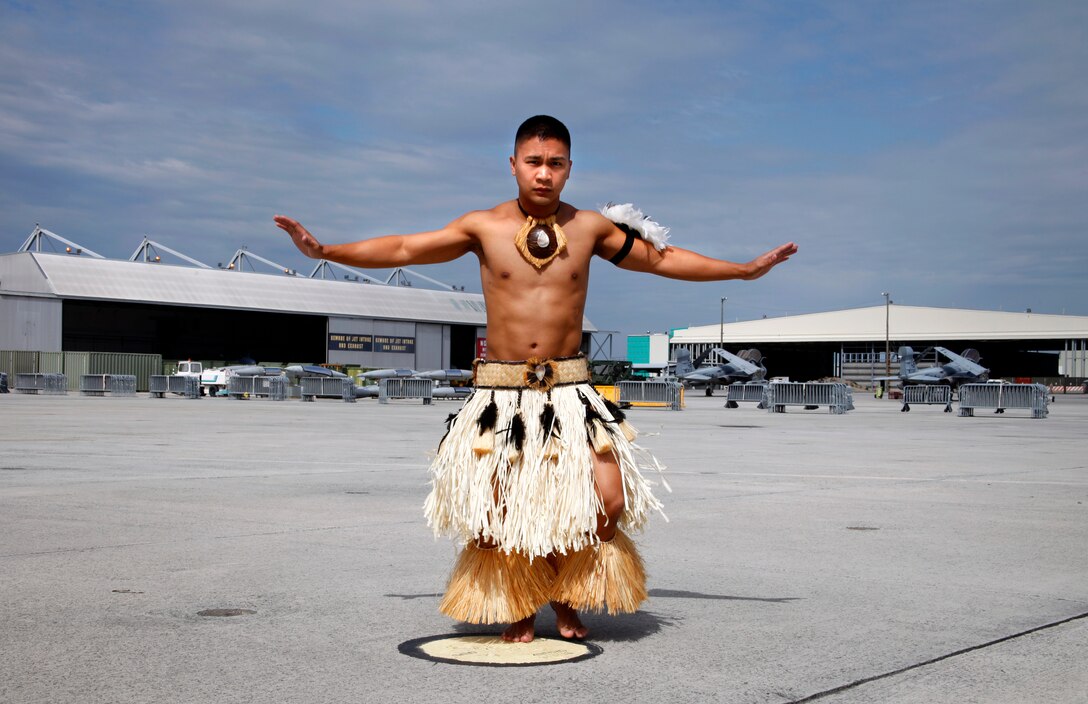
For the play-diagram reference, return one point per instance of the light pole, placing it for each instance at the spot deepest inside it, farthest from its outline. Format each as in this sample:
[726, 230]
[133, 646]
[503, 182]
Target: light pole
[887, 337]
[721, 327]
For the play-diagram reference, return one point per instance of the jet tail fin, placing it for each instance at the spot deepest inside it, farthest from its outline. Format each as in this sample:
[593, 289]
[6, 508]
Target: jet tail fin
[683, 362]
[907, 362]
[752, 355]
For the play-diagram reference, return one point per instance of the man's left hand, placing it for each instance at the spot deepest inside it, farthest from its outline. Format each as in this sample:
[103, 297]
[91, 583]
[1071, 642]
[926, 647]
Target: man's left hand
[765, 262]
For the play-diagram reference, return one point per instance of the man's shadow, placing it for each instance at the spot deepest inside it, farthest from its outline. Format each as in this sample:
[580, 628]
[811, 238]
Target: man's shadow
[604, 628]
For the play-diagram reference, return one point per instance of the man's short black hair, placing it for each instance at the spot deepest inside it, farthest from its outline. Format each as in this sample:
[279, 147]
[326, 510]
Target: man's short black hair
[542, 127]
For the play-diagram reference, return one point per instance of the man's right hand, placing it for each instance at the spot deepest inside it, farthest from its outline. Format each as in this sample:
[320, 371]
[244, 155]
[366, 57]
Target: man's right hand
[302, 238]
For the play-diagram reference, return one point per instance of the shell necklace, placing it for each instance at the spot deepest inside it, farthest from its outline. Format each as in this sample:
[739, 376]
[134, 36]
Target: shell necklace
[540, 240]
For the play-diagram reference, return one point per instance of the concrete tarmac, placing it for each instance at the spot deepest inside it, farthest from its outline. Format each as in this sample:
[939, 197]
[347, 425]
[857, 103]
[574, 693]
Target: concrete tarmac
[876, 556]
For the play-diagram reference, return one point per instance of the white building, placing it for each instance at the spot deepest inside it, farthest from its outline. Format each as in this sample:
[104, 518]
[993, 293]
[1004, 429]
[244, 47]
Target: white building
[63, 302]
[834, 343]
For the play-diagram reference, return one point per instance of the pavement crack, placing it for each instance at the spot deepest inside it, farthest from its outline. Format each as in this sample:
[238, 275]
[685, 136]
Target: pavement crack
[931, 661]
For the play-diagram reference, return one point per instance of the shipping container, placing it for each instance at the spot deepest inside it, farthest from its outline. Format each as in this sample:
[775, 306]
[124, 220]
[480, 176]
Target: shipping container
[14, 362]
[142, 366]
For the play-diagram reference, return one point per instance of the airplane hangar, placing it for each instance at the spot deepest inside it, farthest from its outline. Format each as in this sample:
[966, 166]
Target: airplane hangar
[851, 343]
[53, 302]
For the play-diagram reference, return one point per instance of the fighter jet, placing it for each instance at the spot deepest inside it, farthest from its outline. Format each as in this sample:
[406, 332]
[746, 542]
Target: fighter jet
[447, 375]
[434, 375]
[747, 365]
[388, 374]
[294, 371]
[958, 370]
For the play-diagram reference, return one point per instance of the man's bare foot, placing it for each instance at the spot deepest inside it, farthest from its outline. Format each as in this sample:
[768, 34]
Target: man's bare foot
[520, 632]
[567, 621]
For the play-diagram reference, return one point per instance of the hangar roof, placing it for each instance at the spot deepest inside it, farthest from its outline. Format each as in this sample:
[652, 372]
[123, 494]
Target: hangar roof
[71, 277]
[905, 323]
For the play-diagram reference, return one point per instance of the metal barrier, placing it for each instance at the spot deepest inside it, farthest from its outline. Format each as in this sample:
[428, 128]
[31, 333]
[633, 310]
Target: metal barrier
[740, 392]
[112, 384]
[327, 387]
[123, 384]
[406, 388]
[935, 395]
[271, 387]
[277, 388]
[161, 384]
[836, 396]
[1033, 397]
[659, 394]
[50, 384]
[158, 385]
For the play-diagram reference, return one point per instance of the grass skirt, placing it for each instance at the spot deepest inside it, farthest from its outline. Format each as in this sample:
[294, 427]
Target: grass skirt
[515, 470]
[491, 586]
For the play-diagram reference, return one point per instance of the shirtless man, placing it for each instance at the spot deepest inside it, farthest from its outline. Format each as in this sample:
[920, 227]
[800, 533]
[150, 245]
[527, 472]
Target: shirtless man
[533, 311]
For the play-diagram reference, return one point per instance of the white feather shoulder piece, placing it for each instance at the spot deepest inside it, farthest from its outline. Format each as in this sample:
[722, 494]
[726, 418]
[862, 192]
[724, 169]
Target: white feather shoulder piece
[627, 214]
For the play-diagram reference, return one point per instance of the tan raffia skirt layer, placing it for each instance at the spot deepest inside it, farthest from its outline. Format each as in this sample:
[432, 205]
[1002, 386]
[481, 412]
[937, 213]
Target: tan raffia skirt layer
[515, 468]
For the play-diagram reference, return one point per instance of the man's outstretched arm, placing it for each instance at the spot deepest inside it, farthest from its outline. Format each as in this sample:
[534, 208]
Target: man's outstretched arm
[443, 245]
[678, 263]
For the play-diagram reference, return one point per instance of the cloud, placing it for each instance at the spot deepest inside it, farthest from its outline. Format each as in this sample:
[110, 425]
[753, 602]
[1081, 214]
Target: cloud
[935, 150]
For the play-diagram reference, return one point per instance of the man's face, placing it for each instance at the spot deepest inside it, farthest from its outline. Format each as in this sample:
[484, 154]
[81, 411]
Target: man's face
[541, 168]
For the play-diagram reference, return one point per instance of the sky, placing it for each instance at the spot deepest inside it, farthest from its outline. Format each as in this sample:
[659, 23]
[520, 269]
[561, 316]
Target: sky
[934, 150]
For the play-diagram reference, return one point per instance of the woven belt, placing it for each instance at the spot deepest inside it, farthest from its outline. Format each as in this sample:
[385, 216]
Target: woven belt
[539, 374]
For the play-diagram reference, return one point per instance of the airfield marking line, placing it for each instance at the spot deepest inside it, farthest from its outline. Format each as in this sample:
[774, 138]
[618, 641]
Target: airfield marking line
[232, 460]
[84, 481]
[931, 661]
[356, 470]
[92, 548]
[1016, 481]
[889, 479]
[803, 476]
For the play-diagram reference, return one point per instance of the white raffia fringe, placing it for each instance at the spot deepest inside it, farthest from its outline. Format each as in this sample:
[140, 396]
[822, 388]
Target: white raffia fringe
[540, 504]
[627, 214]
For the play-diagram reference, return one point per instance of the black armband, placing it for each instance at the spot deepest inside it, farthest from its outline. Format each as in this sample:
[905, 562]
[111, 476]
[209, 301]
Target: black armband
[626, 248]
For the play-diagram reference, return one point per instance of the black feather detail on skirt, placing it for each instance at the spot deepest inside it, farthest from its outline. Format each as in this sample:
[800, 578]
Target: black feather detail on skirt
[618, 416]
[517, 432]
[488, 418]
[591, 412]
[449, 424]
[549, 424]
[598, 429]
